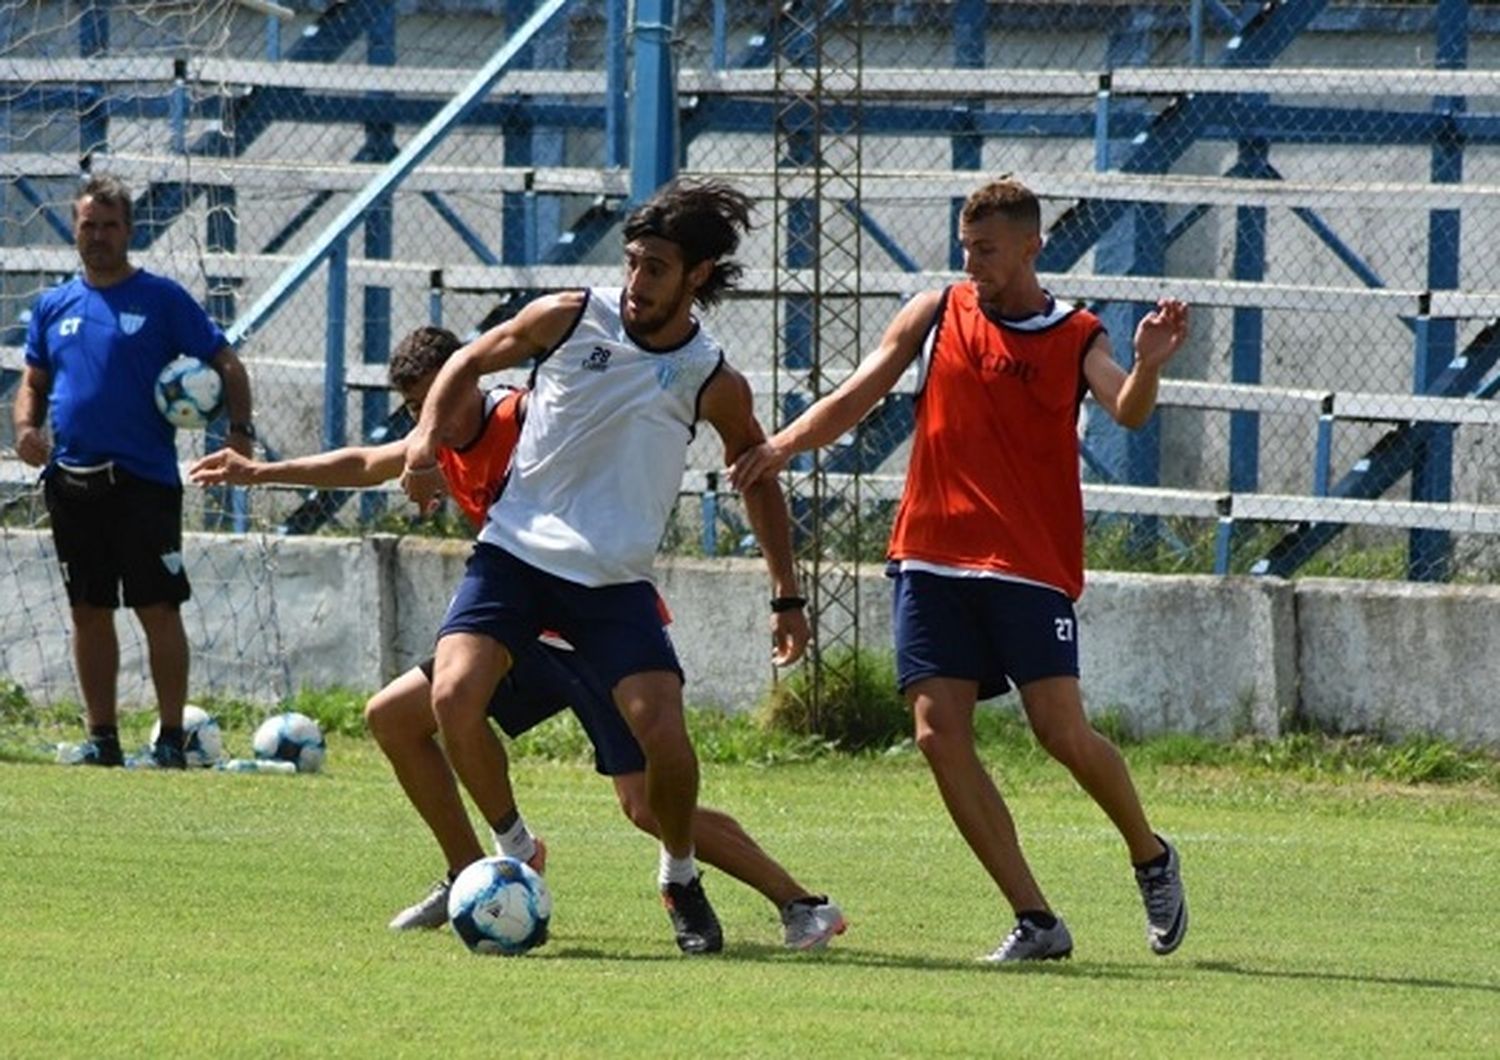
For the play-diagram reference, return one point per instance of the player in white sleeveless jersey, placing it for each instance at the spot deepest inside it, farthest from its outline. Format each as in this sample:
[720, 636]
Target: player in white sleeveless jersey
[621, 379]
[589, 503]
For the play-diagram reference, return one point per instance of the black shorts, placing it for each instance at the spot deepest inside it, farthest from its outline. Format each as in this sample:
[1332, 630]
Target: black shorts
[112, 528]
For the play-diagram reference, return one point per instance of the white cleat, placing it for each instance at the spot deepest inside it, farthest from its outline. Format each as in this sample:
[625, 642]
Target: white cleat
[430, 912]
[1031, 942]
[812, 922]
[1166, 903]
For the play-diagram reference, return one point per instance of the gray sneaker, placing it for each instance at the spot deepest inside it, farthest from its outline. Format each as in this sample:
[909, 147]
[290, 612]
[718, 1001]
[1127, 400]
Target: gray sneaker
[1030, 942]
[811, 922]
[430, 912]
[1166, 904]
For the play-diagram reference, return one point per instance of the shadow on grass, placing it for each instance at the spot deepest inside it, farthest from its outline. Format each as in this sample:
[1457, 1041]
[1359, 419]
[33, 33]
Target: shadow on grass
[844, 956]
[1231, 968]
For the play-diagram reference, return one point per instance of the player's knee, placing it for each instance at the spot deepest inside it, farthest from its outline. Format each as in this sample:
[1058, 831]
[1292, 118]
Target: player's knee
[660, 731]
[1065, 741]
[378, 719]
[637, 811]
[931, 743]
[455, 705]
[939, 743]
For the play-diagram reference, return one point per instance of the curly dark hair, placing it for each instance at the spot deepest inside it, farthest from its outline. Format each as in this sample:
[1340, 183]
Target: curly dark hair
[706, 218]
[1007, 197]
[419, 354]
[108, 189]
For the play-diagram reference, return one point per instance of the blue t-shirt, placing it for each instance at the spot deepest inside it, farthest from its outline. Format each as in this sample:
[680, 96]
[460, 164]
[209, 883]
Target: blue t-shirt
[103, 349]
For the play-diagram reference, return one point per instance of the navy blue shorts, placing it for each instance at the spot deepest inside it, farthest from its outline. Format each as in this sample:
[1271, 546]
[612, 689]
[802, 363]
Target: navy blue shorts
[545, 681]
[998, 633]
[616, 629]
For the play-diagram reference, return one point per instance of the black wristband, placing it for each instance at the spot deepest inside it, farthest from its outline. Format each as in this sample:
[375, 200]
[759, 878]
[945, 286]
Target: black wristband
[788, 603]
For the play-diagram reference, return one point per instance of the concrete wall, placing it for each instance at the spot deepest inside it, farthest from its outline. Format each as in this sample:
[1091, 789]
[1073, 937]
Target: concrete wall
[1166, 654]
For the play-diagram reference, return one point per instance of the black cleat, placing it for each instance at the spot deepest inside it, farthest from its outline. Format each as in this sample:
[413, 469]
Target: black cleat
[99, 753]
[168, 756]
[693, 918]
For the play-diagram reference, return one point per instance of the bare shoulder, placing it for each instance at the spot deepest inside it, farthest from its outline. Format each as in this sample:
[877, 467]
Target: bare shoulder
[539, 325]
[927, 302]
[553, 309]
[727, 390]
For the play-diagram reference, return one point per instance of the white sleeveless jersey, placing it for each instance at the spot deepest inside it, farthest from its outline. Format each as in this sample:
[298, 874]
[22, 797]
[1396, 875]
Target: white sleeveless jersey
[599, 463]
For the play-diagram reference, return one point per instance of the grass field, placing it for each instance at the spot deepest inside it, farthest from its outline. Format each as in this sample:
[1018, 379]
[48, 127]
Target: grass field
[218, 914]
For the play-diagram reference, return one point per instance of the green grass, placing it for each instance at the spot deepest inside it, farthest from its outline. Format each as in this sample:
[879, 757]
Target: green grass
[243, 915]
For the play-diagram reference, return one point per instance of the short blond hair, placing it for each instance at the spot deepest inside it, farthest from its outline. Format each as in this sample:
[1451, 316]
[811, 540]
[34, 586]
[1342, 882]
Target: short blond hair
[1008, 198]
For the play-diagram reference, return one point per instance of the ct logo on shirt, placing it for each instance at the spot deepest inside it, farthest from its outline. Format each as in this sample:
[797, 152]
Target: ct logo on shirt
[70, 326]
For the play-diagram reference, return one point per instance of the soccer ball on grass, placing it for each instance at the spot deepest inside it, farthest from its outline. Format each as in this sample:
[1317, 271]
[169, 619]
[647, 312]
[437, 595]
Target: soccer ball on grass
[291, 737]
[500, 905]
[188, 393]
[202, 739]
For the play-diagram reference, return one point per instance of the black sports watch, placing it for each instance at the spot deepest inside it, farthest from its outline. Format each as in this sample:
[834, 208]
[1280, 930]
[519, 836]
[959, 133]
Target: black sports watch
[247, 429]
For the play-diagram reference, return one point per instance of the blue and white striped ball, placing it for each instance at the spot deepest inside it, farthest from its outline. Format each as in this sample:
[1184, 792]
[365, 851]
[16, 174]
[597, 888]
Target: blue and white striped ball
[291, 737]
[500, 905]
[202, 739]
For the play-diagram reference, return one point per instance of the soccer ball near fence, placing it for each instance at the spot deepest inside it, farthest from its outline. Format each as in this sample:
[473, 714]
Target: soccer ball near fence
[291, 737]
[500, 905]
[202, 739]
[188, 393]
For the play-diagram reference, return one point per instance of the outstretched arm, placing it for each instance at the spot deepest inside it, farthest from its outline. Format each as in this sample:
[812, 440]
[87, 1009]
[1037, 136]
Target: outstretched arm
[727, 405]
[350, 467]
[1130, 398]
[530, 333]
[836, 413]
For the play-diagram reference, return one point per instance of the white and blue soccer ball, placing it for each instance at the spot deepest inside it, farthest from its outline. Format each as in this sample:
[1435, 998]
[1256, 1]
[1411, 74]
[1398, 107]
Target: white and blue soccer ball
[188, 393]
[500, 905]
[291, 737]
[202, 739]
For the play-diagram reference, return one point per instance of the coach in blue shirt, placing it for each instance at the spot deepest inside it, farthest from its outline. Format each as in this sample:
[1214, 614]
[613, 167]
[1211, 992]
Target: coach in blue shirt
[94, 348]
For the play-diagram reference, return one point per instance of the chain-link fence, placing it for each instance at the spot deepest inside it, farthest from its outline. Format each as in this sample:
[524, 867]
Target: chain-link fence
[1315, 178]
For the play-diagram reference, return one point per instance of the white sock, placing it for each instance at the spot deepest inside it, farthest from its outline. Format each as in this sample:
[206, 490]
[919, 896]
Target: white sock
[676, 870]
[516, 841]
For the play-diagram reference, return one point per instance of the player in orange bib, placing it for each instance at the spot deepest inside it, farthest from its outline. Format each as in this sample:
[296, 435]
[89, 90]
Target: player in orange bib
[546, 680]
[987, 548]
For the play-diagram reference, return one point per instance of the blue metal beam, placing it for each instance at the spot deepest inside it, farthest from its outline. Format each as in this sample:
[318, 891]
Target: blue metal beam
[1175, 129]
[653, 132]
[1430, 552]
[967, 148]
[616, 115]
[1248, 327]
[471, 239]
[93, 40]
[1391, 457]
[379, 244]
[1233, 120]
[409, 158]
